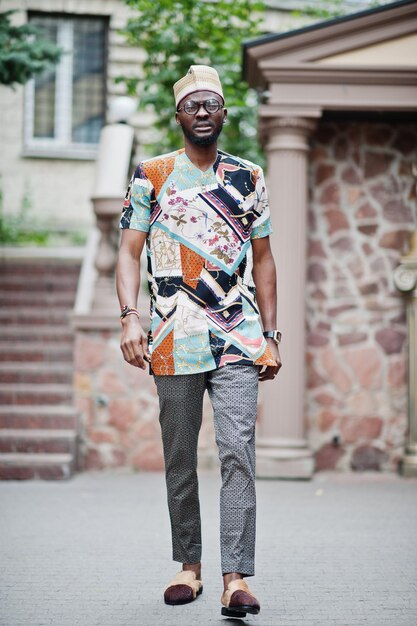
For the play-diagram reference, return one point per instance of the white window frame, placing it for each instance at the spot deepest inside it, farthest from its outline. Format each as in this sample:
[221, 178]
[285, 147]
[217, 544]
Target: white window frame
[60, 146]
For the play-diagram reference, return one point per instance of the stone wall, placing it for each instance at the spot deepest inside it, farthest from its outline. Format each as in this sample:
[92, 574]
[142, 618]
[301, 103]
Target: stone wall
[118, 409]
[362, 210]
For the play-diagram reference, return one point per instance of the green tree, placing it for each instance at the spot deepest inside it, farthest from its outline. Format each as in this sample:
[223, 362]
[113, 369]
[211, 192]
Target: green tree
[328, 9]
[23, 52]
[178, 33]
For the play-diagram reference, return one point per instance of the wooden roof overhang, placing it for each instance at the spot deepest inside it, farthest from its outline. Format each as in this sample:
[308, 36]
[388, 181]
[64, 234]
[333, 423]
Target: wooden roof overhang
[304, 72]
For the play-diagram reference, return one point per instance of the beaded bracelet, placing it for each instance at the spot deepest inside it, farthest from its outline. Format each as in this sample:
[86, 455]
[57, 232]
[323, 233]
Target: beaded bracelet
[128, 310]
[132, 313]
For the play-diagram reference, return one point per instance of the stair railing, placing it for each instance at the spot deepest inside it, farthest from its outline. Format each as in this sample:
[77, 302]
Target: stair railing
[96, 303]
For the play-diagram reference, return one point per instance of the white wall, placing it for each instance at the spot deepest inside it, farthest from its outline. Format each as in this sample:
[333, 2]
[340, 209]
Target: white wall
[58, 189]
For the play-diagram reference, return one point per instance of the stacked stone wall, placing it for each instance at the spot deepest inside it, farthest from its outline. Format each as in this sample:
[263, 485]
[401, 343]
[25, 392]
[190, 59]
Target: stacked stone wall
[117, 405]
[118, 409]
[362, 211]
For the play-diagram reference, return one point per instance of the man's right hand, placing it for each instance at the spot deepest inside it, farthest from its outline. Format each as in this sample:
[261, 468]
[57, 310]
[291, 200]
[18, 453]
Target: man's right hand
[134, 342]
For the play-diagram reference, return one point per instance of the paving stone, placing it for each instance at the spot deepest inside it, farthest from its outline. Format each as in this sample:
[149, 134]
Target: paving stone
[339, 550]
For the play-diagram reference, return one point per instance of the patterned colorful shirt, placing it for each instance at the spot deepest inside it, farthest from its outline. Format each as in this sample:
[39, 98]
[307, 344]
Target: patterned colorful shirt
[200, 225]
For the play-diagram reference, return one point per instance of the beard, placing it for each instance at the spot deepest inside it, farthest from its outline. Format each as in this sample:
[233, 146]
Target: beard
[203, 141]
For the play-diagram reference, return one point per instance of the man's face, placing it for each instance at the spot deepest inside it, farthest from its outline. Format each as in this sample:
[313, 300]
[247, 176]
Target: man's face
[201, 128]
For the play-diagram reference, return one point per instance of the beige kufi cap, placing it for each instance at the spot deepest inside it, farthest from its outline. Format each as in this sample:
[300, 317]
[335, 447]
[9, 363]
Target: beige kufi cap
[198, 78]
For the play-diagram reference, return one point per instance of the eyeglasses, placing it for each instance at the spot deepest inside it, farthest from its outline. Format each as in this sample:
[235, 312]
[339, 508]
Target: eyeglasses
[211, 106]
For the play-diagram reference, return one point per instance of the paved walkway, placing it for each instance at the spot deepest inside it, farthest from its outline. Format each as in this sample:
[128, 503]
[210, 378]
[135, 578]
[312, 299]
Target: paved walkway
[339, 550]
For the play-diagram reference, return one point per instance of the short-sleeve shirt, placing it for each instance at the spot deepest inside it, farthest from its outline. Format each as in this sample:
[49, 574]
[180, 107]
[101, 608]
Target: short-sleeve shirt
[200, 224]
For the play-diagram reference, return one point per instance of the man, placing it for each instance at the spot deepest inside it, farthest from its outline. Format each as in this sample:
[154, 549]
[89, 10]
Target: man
[204, 217]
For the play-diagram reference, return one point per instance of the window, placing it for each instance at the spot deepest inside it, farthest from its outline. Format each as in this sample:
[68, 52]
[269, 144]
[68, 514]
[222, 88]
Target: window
[65, 106]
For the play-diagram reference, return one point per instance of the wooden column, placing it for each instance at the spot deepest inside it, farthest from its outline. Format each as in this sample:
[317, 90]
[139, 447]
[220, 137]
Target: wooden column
[282, 450]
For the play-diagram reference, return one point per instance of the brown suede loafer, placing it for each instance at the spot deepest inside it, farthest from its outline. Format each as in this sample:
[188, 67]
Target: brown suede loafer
[238, 600]
[183, 588]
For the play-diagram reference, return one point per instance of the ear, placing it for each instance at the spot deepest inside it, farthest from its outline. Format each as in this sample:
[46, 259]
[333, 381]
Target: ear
[177, 118]
[224, 115]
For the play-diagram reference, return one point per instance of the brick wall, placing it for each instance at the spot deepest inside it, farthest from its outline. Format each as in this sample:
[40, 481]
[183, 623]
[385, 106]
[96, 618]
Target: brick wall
[362, 211]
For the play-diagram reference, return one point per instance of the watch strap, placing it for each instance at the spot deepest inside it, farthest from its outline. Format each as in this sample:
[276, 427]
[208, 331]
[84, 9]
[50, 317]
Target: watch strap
[273, 334]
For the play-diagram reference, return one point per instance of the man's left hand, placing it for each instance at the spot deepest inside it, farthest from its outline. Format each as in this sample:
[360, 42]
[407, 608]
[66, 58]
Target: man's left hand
[271, 371]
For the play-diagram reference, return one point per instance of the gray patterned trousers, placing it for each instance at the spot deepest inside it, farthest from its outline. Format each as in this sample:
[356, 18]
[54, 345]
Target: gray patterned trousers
[233, 391]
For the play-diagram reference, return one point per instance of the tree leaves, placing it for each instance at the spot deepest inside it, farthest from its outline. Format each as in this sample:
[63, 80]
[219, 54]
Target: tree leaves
[23, 52]
[178, 33]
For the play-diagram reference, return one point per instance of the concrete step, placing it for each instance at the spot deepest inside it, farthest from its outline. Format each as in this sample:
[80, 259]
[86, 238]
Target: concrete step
[38, 270]
[44, 333]
[35, 351]
[26, 298]
[37, 393]
[38, 440]
[38, 425]
[36, 373]
[47, 466]
[38, 417]
[41, 264]
[47, 284]
[41, 315]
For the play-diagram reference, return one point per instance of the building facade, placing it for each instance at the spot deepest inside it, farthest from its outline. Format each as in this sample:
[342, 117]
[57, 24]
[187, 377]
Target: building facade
[339, 131]
[339, 123]
[50, 127]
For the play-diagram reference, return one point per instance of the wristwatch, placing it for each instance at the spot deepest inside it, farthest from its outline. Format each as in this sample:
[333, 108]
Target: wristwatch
[273, 334]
